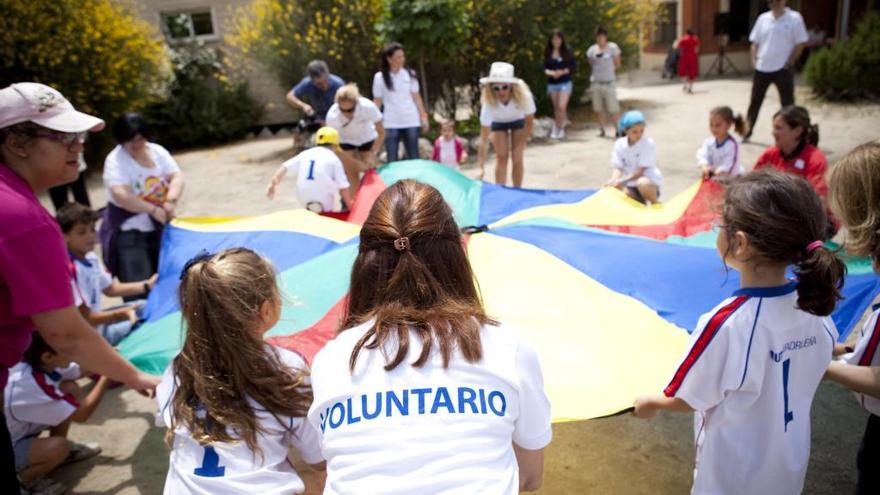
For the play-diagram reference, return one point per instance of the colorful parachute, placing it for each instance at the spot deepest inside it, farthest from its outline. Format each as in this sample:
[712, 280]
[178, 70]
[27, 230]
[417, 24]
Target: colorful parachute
[605, 288]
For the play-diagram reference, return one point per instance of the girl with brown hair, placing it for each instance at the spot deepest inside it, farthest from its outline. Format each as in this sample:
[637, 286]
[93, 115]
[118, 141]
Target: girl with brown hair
[855, 199]
[233, 404]
[421, 391]
[755, 361]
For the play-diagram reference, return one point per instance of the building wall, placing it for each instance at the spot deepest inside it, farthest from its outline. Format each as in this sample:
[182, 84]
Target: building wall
[740, 59]
[263, 84]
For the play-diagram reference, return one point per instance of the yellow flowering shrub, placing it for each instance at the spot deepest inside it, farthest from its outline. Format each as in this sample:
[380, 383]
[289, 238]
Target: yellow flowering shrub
[103, 58]
[286, 34]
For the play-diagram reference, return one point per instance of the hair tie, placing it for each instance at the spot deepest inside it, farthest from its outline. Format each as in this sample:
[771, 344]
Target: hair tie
[814, 245]
[401, 244]
[203, 255]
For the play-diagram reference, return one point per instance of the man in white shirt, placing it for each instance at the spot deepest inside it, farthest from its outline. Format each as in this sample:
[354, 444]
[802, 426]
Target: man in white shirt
[778, 38]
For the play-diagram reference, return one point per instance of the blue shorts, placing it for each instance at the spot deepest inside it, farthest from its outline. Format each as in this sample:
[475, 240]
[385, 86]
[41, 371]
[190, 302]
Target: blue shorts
[21, 449]
[559, 88]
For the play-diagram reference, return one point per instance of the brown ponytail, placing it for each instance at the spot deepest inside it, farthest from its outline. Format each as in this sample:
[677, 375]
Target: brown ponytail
[736, 119]
[798, 116]
[781, 216]
[224, 363]
[412, 273]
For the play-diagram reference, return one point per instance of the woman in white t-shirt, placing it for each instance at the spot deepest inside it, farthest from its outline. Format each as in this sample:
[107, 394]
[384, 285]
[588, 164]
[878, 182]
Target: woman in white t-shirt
[508, 112]
[422, 392]
[396, 92]
[143, 185]
[361, 133]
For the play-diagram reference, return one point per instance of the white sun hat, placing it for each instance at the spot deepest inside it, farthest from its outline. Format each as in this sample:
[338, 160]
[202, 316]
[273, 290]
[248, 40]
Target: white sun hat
[40, 104]
[500, 72]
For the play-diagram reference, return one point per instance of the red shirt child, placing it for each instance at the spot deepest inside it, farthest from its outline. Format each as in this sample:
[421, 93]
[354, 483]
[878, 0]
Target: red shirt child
[688, 62]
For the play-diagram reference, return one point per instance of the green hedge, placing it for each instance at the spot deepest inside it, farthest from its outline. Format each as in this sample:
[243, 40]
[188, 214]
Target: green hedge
[850, 69]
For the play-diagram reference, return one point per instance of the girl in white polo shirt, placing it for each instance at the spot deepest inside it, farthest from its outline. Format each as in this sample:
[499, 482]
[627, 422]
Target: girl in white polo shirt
[719, 154]
[233, 404]
[396, 92]
[421, 392]
[361, 133]
[634, 161]
[755, 360]
[508, 112]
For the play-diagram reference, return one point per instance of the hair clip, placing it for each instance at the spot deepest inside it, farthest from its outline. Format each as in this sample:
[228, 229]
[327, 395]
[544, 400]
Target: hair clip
[203, 255]
[401, 244]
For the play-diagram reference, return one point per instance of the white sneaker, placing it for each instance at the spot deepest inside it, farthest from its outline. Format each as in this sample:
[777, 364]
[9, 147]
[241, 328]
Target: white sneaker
[561, 134]
[553, 132]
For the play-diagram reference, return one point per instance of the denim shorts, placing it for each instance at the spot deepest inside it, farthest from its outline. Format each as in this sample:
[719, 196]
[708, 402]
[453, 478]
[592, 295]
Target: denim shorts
[509, 126]
[559, 88]
[22, 449]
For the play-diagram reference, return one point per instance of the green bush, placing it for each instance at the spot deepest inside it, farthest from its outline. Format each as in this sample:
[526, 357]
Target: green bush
[850, 69]
[203, 106]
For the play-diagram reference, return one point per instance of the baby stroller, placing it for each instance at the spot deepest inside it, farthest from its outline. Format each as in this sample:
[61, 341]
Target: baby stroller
[670, 67]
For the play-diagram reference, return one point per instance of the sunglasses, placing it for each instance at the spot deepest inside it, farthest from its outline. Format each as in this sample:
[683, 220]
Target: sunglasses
[348, 110]
[500, 87]
[65, 138]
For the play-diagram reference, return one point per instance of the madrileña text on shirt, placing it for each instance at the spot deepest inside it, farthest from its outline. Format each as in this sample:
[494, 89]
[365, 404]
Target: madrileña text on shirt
[794, 345]
[412, 402]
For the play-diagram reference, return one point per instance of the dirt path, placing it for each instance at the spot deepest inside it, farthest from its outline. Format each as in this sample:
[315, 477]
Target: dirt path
[617, 455]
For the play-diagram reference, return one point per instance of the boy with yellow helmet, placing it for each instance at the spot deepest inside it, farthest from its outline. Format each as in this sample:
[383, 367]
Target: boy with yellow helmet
[319, 174]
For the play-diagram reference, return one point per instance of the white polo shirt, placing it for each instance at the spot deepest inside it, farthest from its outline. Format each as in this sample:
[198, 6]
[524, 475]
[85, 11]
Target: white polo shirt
[720, 157]
[361, 127]
[399, 107]
[232, 468]
[507, 112]
[33, 400]
[149, 184]
[319, 176]
[777, 38]
[866, 354]
[643, 154]
[428, 429]
[751, 372]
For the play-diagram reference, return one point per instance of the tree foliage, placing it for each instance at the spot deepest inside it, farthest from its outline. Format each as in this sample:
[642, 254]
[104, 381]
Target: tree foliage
[426, 28]
[101, 57]
[285, 34]
[850, 68]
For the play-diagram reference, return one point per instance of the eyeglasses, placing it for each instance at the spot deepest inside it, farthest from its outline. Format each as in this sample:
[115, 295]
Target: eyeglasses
[65, 138]
[501, 87]
[350, 109]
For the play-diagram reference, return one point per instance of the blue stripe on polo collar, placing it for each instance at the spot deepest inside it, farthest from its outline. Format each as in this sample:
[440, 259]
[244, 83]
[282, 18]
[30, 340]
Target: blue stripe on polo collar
[767, 291]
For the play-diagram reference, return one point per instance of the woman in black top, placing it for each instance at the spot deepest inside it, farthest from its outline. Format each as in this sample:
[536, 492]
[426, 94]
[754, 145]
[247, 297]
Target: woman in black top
[558, 66]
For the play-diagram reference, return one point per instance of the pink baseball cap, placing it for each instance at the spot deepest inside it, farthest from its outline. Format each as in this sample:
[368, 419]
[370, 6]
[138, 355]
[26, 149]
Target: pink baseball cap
[40, 104]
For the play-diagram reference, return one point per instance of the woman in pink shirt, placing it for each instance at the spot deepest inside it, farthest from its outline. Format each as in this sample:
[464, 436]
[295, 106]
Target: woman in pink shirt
[41, 136]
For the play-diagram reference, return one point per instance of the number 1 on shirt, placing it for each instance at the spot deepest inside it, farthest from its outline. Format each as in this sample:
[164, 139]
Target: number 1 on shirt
[311, 170]
[788, 416]
[211, 467]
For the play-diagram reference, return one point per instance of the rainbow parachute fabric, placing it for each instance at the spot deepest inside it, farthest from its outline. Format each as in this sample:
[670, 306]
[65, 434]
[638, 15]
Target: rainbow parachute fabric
[606, 289]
